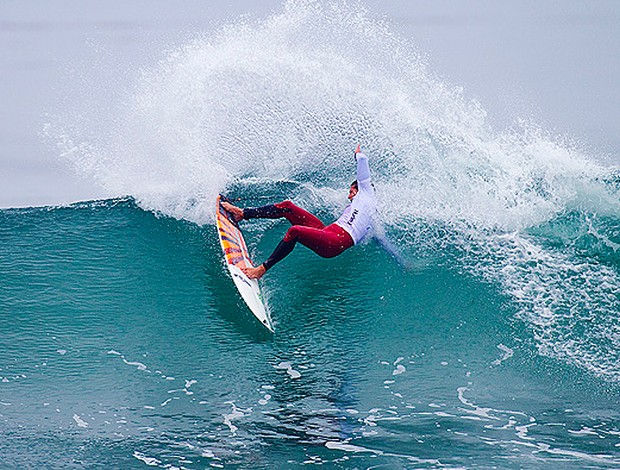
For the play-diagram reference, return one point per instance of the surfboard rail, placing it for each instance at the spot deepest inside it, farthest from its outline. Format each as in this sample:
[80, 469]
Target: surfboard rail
[237, 257]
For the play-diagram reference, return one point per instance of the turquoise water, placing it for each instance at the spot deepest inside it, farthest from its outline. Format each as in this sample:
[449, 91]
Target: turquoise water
[478, 328]
[124, 344]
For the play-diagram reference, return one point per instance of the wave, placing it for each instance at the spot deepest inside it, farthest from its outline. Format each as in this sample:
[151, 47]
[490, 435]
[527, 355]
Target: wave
[273, 108]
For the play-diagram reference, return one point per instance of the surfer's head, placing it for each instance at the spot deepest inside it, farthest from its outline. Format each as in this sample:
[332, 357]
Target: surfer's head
[353, 190]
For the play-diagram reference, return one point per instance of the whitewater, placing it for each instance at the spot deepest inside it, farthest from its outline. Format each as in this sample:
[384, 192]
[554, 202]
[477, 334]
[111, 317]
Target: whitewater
[479, 328]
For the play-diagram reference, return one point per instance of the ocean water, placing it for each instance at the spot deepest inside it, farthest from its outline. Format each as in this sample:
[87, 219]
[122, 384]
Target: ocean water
[478, 328]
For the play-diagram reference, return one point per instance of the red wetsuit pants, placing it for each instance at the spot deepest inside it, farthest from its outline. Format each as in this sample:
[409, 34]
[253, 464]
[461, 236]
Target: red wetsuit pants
[308, 230]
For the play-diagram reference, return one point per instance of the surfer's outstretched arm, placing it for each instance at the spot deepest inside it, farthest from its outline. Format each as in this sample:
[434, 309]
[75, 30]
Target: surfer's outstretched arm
[363, 170]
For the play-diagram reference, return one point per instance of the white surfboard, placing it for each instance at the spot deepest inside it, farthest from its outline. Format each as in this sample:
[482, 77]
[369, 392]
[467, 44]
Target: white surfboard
[237, 257]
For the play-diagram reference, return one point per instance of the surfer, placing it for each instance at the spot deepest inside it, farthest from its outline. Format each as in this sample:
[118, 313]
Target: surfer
[326, 241]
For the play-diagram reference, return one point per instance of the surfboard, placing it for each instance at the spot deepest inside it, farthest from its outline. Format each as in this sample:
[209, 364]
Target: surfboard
[237, 257]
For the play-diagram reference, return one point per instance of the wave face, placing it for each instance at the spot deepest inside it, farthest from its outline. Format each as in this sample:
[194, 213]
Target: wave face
[516, 227]
[124, 342]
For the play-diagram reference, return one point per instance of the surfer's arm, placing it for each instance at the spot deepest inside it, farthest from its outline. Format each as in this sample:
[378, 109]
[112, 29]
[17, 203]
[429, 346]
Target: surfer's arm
[363, 170]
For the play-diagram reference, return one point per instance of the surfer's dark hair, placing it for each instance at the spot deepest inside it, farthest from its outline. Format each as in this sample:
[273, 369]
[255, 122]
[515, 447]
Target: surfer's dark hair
[354, 184]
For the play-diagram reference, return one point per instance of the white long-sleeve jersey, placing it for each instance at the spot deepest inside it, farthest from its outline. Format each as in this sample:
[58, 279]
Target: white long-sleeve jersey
[357, 219]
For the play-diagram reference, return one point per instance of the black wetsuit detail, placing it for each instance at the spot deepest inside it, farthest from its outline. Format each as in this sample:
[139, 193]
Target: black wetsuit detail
[265, 212]
[282, 250]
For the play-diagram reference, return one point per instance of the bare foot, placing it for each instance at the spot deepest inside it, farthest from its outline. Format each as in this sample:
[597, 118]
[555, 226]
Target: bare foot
[236, 212]
[254, 273]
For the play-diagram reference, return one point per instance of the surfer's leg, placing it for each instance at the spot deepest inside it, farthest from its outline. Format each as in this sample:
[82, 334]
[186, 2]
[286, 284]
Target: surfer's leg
[265, 212]
[327, 242]
[283, 249]
[298, 216]
[308, 236]
[272, 211]
[294, 214]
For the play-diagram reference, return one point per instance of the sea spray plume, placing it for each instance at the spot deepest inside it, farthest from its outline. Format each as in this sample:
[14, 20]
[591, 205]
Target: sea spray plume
[287, 98]
[281, 98]
[284, 99]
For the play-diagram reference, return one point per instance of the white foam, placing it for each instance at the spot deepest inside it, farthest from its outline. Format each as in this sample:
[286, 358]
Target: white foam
[138, 365]
[235, 414]
[294, 374]
[486, 413]
[584, 431]
[346, 447]
[150, 461]
[79, 421]
[558, 295]
[508, 353]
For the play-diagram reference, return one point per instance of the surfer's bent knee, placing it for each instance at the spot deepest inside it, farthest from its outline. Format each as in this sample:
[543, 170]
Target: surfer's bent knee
[291, 234]
[287, 205]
